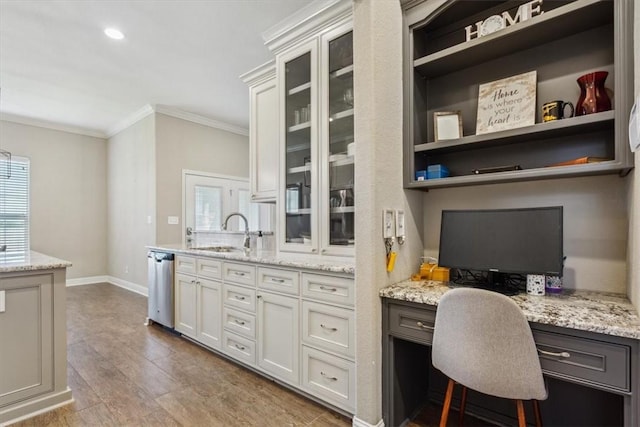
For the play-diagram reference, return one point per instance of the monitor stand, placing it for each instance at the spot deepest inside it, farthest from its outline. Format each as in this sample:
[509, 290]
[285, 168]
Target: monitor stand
[498, 282]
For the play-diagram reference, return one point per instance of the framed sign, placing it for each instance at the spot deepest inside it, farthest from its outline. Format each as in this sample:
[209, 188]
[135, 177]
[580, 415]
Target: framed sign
[447, 125]
[507, 103]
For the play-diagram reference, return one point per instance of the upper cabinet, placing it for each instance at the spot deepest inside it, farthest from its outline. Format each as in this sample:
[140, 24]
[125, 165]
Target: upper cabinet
[454, 48]
[263, 132]
[316, 197]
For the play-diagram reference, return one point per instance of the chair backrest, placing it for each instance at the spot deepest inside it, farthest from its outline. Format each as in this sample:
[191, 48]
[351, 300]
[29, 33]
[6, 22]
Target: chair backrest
[483, 341]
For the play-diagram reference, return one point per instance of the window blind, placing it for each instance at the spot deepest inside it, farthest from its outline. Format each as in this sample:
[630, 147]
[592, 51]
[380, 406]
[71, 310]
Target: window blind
[14, 207]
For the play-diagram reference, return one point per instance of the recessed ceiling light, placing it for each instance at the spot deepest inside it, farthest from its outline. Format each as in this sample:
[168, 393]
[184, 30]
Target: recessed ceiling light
[114, 33]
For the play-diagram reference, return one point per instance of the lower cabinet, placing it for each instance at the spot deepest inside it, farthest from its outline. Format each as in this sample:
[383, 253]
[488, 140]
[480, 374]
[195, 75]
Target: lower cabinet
[296, 327]
[278, 336]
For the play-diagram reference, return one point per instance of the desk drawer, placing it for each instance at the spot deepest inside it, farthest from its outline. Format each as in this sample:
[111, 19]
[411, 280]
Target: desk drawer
[332, 289]
[328, 327]
[239, 297]
[587, 361]
[286, 281]
[239, 347]
[329, 377]
[242, 274]
[241, 323]
[414, 324]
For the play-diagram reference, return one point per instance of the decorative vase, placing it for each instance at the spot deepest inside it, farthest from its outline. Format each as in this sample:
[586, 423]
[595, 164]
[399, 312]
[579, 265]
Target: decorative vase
[593, 95]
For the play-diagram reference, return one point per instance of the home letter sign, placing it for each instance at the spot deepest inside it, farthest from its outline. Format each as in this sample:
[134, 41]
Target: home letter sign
[497, 22]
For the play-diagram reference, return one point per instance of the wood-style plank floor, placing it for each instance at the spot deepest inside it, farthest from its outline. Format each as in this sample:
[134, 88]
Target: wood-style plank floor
[123, 373]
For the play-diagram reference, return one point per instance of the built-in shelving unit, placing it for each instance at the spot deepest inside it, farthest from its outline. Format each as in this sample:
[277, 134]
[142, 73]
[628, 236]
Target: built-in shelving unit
[443, 72]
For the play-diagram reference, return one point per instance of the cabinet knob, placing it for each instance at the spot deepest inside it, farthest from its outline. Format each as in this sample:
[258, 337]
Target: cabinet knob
[323, 251]
[314, 250]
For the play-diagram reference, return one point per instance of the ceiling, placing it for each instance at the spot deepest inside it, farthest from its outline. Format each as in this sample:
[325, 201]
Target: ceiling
[58, 66]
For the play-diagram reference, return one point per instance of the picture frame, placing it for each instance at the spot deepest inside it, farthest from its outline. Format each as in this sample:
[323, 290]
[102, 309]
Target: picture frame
[447, 125]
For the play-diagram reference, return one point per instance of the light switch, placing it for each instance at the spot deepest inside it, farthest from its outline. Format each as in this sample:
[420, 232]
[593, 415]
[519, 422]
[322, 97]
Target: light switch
[173, 220]
[388, 224]
[400, 233]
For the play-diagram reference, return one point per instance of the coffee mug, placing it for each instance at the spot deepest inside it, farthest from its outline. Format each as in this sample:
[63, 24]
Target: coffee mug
[554, 110]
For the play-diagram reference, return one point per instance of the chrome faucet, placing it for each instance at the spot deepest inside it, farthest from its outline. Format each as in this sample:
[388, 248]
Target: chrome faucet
[245, 244]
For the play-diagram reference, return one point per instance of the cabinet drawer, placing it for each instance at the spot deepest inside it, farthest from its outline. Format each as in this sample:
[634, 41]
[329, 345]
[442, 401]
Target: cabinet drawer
[239, 347]
[329, 377]
[239, 297]
[241, 323]
[239, 273]
[185, 264]
[328, 327]
[414, 324]
[285, 281]
[585, 360]
[339, 290]
[209, 268]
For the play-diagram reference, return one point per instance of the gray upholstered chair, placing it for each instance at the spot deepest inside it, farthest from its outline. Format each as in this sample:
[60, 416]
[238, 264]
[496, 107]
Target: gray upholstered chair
[483, 341]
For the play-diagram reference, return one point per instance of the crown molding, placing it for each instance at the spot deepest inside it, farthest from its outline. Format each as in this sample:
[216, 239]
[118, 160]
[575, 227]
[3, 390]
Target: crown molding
[130, 120]
[30, 121]
[308, 21]
[259, 74]
[196, 118]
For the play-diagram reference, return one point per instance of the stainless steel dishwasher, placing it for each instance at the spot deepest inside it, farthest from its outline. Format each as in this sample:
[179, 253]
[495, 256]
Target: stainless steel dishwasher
[160, 277]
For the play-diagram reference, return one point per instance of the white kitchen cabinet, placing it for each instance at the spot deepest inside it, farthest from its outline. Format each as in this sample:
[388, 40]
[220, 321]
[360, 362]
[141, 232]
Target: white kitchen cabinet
[198, 304]
[316, 213]
[329, 377]
[263, 132]
[278, 336]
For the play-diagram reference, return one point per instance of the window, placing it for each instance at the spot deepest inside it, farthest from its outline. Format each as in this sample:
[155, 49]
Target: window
[14, 207]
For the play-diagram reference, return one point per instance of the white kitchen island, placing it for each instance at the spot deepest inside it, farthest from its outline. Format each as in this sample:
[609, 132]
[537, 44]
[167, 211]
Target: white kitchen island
[33, 340]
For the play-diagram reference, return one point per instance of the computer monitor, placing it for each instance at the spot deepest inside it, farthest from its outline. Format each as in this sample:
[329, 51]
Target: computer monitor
[502, 241]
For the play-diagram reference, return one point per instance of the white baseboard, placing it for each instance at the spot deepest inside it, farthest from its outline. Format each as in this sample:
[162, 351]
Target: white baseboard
[87, 280]
[357, 422]
[133, 287]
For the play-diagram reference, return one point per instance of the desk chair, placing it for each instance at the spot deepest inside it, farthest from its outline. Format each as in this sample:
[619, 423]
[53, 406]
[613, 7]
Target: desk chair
[482, 341]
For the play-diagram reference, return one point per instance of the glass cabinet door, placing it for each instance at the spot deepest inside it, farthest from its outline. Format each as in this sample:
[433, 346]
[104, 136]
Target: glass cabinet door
[299, 146]
[338, 143]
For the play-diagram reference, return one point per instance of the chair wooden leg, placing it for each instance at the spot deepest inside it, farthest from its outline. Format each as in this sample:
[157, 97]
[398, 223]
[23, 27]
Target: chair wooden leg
[447, 404]
[536, 410]
[463, 402]
[522, 422]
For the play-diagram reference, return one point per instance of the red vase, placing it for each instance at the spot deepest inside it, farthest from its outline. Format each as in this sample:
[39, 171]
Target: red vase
[593, 95]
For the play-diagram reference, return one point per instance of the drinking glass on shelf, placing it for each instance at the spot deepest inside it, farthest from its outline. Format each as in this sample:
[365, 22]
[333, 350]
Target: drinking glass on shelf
[347, 97]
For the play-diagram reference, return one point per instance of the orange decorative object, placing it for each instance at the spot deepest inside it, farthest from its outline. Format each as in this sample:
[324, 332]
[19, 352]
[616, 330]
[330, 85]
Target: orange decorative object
[440, 274]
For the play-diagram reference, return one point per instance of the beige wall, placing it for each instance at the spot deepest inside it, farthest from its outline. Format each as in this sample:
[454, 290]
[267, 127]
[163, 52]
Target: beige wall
[131, 200]
[182, 145]
[68, 194]
[595, 222]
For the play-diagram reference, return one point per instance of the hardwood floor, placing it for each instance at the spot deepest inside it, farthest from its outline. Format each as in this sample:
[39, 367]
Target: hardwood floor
[123, 373]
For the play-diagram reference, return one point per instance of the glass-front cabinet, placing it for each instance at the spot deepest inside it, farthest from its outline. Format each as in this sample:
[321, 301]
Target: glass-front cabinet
[317, 195]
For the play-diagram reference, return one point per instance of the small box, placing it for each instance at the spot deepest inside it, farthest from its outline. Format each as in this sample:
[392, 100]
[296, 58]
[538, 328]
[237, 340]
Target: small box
[437, 171]
[421, 175]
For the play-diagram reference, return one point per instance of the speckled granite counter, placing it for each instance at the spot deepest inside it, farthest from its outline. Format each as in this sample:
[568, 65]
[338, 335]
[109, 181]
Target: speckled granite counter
[605, 313]
[31, 261]
[269, 258]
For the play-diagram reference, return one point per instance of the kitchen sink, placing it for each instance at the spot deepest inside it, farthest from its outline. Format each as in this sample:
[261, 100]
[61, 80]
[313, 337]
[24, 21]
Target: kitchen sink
[219, 248]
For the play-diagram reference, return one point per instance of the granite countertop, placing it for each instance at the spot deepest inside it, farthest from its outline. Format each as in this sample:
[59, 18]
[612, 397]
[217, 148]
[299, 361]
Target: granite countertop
[601, 312]
[31, 261]
[265, 257]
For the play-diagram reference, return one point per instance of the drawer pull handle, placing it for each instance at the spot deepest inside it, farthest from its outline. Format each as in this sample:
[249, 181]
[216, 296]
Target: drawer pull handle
[425, 327]
[239, 273]
[328, 328]
[240, 322]
[324, 288]
[273, 279]
[563, 354]
[328, 377]
[240, 297]
[240, 347]
[193, 281]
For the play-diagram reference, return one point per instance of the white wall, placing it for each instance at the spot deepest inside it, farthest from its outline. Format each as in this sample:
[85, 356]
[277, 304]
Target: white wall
[68, 194]
[634, 188]
[181, 144]
[131, 200]
[595, 222]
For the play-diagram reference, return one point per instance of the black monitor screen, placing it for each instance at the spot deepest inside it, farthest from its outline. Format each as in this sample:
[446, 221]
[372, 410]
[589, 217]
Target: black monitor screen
[525, 241]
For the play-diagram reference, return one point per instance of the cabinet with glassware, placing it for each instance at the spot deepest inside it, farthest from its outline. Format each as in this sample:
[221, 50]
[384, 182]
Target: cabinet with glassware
[315, 82]
[467, 121]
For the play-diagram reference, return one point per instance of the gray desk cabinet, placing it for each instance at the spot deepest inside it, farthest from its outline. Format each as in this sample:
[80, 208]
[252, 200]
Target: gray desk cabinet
[33, 365]
[604, 367]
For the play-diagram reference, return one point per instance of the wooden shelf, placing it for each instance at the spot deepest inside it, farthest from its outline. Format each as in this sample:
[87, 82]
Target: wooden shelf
[573, 18]
[557, 128]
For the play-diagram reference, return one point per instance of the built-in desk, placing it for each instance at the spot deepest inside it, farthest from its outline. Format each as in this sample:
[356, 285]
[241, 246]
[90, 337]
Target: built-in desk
[589, 343]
